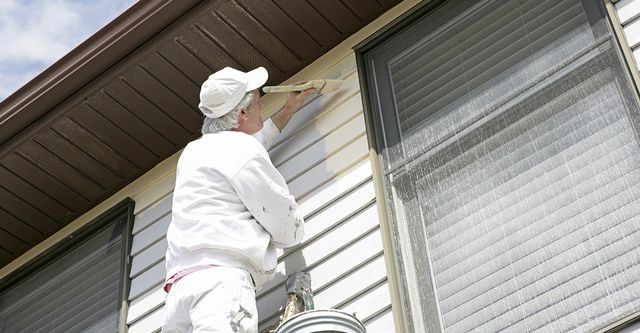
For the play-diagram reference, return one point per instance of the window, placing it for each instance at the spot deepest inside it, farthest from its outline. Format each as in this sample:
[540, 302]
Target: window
[78, 287]
[508, 140]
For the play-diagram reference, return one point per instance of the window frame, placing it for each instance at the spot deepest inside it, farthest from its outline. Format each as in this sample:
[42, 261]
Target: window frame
[391, 248]
[376, 139]
[124, 208]
[622, 43]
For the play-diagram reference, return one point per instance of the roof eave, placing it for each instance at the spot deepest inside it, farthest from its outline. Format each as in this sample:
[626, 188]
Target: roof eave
[87, 61]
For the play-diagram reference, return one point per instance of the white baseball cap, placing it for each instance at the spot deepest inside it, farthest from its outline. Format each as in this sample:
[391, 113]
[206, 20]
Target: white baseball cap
[224, 89]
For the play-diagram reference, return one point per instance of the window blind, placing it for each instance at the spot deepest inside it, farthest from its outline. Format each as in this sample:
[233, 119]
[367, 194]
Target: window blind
[486, 57]
[79, 291]
[537, 227]
[514, 184]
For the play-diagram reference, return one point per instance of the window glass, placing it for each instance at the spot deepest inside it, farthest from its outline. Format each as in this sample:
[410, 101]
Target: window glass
[78, 290]
[508, 135]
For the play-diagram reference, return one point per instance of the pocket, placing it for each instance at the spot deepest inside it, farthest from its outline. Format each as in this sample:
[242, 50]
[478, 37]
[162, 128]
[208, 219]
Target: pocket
[246, 317]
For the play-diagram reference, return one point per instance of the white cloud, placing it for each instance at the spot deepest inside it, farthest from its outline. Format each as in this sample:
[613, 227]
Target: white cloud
[36, 33]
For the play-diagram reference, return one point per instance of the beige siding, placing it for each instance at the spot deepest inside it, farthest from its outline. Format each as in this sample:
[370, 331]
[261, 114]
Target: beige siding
[323, 155]
[146, 296]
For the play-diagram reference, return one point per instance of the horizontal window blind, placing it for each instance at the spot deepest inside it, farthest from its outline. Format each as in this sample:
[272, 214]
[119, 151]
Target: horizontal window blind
[79, 291]
[514, 185]
[498, 52]
[538, 226]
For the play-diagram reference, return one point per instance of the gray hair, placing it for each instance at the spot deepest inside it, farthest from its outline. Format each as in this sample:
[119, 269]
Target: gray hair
[228, 121]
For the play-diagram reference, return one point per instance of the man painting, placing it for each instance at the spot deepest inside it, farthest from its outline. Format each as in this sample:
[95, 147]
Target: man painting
[231, 209]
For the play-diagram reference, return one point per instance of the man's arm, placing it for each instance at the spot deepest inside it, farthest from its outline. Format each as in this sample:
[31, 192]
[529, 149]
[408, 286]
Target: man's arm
[264, 192]
[274, 125]
[295, 99]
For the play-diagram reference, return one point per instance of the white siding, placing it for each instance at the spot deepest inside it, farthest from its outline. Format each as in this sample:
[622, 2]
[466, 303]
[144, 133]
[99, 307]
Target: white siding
[323, 155]
[629, 15]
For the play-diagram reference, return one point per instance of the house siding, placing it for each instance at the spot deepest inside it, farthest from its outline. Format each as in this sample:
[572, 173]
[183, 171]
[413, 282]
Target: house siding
[323, 155]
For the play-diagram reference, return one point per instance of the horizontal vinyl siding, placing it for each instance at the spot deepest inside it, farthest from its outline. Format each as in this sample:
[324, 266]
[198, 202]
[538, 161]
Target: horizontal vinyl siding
[323, 155]
[629, 15]
[146, 296]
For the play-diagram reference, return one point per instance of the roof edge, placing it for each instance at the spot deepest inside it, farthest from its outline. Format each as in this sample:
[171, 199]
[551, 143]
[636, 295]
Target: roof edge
[113, 42]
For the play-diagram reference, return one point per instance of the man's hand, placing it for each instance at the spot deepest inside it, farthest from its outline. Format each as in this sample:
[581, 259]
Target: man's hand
[295, 99]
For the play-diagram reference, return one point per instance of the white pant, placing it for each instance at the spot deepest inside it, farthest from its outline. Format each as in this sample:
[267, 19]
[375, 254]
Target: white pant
[217, 299]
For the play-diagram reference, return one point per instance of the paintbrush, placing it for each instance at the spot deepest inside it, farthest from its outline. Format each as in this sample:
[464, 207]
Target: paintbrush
[322, 86]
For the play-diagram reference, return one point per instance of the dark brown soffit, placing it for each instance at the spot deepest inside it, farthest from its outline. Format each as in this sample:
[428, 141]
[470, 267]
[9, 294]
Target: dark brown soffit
[126, 98]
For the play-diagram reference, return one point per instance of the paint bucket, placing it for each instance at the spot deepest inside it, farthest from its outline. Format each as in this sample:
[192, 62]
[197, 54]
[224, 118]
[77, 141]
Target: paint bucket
[316, 321]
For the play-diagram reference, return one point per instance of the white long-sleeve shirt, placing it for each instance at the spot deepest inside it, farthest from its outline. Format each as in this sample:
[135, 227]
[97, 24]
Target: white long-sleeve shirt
[231, 207]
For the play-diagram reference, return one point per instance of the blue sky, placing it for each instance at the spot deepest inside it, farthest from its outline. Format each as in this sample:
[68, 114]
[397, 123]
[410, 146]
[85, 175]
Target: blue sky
[36, 33]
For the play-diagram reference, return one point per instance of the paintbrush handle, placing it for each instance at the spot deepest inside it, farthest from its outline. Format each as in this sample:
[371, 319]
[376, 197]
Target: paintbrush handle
[316, 84]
